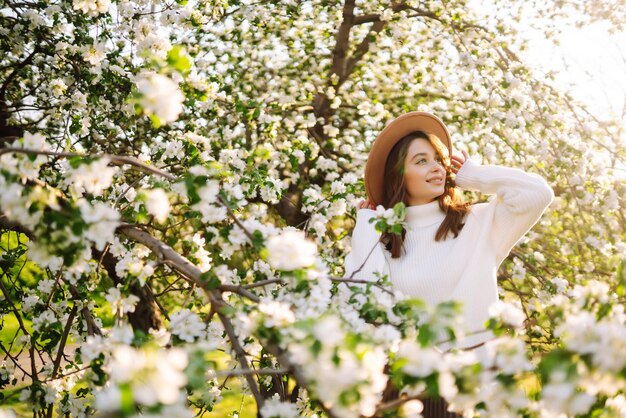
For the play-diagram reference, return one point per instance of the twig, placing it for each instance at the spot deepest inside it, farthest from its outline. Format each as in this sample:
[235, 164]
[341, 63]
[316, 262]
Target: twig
[240, 291]
[262, 283]
[161, 308]
[396, 403]
[241, 356]
[364, 261]
[234, 218]
[13, 359]
[66, 333]
[115, 159]
[239, 372]
[359, 281]
[5, 292]
[92, 327]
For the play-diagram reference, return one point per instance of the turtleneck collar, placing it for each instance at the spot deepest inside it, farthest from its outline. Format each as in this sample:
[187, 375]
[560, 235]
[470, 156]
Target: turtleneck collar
[424, 215]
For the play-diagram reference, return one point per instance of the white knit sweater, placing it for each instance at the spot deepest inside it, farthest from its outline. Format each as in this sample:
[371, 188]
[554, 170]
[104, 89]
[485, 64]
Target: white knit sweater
[462, 268]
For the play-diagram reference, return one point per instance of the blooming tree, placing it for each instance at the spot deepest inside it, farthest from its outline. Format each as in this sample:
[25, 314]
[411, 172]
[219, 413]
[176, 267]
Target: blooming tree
[179, 179]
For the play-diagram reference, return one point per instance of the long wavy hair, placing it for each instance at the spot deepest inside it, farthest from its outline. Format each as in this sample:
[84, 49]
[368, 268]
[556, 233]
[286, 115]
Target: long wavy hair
[395, 192]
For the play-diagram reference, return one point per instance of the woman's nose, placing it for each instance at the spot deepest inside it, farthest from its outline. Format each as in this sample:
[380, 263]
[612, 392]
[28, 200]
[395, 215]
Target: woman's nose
[437, 166]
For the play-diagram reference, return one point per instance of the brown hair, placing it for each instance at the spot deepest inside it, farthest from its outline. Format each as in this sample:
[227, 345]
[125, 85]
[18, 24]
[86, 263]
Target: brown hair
[395, 191]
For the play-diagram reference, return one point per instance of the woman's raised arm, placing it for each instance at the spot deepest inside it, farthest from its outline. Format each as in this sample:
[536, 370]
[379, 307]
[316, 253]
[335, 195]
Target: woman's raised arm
[521, 199]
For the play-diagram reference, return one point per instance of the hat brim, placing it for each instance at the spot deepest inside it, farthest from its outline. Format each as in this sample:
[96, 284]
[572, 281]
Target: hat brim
[390, 135]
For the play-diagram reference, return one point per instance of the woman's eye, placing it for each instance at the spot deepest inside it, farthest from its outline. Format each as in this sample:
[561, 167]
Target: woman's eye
[421, 161]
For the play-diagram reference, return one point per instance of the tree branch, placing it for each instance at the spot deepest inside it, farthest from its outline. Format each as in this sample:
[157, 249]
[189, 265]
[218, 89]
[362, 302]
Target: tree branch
[115, 159]
[262, 283]
[259, 372]
[240, 290]
[18, 67]
[301, 380]
[395, 403]
[193, 274]
[241, 356]
[343, 39]
[361, 50]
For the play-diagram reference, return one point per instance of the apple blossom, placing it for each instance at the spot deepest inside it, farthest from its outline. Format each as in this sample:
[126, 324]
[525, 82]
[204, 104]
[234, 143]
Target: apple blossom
[160, 96]
[290, 250]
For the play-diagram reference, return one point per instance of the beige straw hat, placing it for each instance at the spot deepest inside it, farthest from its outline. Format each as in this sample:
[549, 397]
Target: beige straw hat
[393, 132]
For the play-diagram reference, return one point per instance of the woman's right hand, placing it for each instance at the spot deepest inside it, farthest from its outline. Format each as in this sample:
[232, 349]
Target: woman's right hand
[366, 204]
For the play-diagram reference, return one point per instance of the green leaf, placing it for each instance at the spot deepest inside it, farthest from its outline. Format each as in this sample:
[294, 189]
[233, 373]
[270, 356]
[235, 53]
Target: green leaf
[211, 280]
[75, 162]
[262, 153]
[316, 347]
[400, 210]
[559, 359]
[127, 405]
[257, 239]
[156, 122]
[75, 125]
[178, 59]
[426, 335]
[227, 310]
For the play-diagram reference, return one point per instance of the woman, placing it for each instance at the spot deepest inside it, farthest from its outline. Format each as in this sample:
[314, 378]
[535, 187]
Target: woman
[449, 250]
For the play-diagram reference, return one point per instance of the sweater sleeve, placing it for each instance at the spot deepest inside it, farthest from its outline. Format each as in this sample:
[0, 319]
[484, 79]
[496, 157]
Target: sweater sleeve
[364, 240]
[521, 198]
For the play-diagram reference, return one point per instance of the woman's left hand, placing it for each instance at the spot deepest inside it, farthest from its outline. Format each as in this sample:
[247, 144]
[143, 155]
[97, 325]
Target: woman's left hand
[457, 161]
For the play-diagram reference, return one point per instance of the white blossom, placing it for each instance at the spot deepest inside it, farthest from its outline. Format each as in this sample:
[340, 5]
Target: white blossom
[133, 263]
[38, 253]
[92, 7]
[187, 325]
[212, 213]
[94, 177]
[508, 355]
[274, 408]
[160, 96]
[276, 314]
[7, 413]
[421, 362]
[102, 221]
[94, 54]
[121, 304]
[155, 376]
[507, 313]
[290, 250]
[158, 204]
[559, 396]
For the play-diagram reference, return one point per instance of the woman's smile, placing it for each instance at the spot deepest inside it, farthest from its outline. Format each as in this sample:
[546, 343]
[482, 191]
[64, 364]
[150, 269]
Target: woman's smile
[435, 180]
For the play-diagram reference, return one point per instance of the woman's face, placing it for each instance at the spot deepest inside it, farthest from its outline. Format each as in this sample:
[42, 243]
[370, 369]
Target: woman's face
[424, 173]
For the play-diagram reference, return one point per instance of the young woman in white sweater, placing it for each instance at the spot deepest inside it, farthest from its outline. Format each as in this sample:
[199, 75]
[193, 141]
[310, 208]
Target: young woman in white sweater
[450, 250]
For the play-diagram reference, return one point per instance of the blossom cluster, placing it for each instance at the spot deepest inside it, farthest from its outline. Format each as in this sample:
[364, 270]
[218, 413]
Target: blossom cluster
[147, 377]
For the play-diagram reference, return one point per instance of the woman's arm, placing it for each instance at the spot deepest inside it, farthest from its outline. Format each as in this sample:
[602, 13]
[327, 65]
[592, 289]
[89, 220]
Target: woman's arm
[366, 253]
[521, 198]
